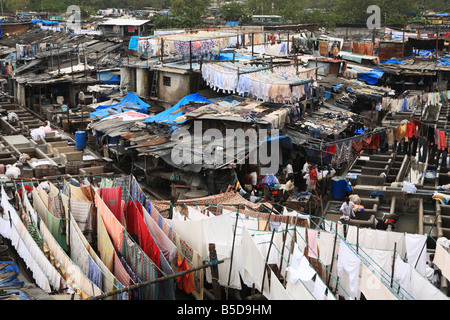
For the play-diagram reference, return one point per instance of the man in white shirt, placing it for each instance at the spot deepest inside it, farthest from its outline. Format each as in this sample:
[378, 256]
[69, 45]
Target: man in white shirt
[347, 209]
[289, 169]
[305, 169]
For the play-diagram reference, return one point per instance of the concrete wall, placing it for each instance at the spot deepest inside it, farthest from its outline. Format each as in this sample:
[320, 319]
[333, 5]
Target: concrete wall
[128, 78]
[180, 86]
[142, 82]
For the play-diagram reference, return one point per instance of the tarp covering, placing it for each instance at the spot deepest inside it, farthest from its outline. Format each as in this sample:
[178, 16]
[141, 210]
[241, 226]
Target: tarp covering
[444, 61]
[131, 102]
[394, 61]
[232, 24]
[45, 22]
[133, 44]
[370, 77]
[168, 116]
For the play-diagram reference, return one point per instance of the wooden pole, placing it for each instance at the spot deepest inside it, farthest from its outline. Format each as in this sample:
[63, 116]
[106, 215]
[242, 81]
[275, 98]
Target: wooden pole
[71, 67]
[403, 43]
[232, 248]
[150, 282]
[357, 238]
[162, 50]
[287, 51]
[393, 264]
[332, 259]
[284, 243]
[59, 66]
[267, 261]
[190, 55]
[253, 36]
[373, 38]
[437, 40]
[214, 272]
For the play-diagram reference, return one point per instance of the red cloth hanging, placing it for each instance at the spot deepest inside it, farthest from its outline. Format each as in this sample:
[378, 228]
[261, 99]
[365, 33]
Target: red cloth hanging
[331, 149]
[357, 147]
[411, 130]
[136, 226]
[185, 282]
[113, 200]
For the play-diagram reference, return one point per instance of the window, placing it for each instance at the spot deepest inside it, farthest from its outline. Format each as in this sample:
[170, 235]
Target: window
[166, 81]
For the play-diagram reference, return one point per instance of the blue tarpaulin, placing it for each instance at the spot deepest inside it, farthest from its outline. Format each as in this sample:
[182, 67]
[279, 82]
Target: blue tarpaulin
[395, 61]
[129, 103]
[443, 62]
[133, 45]
[166, 116]
[9, 280]
[45, 22]
[232, 24]
[370, 77]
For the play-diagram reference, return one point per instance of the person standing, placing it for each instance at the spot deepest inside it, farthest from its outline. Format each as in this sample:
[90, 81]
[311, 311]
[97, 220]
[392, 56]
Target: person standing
[289, 169]
[312, 178]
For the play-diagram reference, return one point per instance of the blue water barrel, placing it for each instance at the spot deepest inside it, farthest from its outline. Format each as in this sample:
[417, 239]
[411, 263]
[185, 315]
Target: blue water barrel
[338, 188]
[80, 140]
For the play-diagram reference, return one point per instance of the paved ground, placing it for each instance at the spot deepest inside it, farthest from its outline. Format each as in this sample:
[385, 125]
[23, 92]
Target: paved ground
[29, 289]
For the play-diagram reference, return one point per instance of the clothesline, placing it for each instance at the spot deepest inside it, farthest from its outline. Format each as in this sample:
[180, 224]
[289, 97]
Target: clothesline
[286, 260]
[366, 261]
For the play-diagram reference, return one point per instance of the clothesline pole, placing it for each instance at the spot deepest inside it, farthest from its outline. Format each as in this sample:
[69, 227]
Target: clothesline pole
[357, 238]
[154, 281]
[266, 267]
[253, 35]
[291, 250]
[232, 248]
[287, 44]
[59, 66]
[162, 50]
[437, 41]
[403, 43]
[190, 55]
[332, 259]
[393, 264]
[214, 272]
[284, 243]
[425, 243]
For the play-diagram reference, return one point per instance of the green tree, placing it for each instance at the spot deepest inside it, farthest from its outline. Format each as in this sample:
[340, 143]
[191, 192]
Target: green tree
[235, 12]
[190, 12]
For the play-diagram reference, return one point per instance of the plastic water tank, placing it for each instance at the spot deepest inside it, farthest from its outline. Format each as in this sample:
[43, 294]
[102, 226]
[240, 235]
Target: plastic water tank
[80, 140]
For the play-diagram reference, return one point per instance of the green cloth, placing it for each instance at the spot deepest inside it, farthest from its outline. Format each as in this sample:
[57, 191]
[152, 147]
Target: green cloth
[54, 226]
[107, 183]
[351, 57]
[32, 229]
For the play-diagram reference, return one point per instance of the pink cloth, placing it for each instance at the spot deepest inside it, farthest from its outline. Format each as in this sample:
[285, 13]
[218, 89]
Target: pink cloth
[312, 241]
[112, 224]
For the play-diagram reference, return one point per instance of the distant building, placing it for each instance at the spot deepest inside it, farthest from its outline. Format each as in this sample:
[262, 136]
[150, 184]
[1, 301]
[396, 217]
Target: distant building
[123, 27]
[438, 18]
[266, 18]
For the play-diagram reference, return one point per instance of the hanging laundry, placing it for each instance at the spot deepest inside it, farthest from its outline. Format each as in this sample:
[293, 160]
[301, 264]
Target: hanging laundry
[416, 251]
[349, 263]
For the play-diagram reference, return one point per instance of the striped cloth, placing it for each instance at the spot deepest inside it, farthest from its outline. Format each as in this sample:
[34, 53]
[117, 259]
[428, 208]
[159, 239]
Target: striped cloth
[144, 268]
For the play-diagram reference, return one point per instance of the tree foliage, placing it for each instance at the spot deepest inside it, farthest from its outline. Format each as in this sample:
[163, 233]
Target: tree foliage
[189, 13]
[235, 12]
